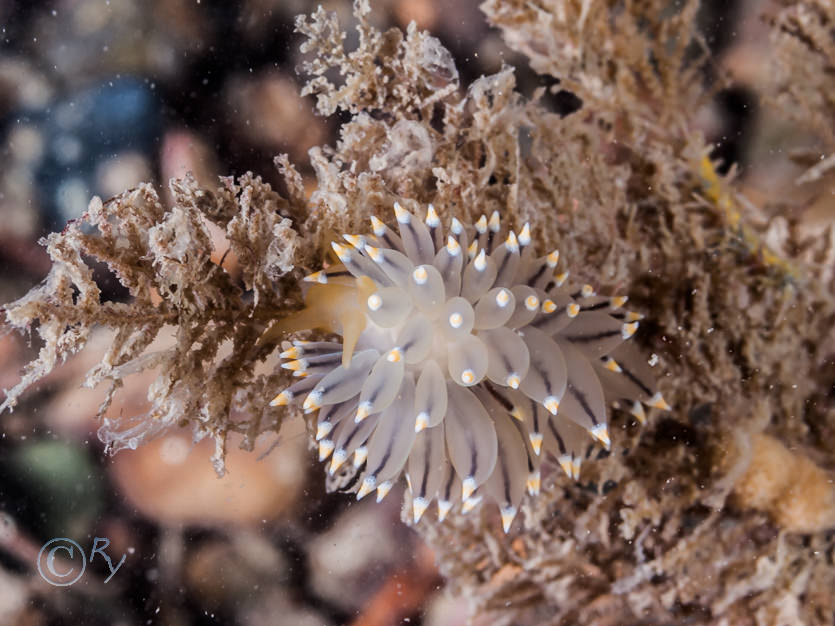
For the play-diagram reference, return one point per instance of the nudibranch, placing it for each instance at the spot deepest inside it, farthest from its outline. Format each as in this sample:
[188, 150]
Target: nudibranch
[465, 362]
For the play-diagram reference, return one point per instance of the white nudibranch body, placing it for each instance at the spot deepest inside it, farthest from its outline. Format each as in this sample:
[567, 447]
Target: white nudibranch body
[465, 371]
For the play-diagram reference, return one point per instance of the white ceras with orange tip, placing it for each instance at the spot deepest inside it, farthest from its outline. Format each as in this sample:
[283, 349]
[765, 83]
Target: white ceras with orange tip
[465, 361]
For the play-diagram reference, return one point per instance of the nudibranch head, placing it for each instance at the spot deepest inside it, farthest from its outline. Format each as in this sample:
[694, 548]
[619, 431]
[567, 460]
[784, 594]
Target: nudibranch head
[466, 360]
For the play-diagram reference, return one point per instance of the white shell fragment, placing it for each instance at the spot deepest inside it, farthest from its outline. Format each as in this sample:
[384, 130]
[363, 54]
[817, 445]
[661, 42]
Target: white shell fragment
[467, 362]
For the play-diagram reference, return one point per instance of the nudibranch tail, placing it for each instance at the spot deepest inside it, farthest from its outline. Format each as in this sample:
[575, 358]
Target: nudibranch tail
[465, 372]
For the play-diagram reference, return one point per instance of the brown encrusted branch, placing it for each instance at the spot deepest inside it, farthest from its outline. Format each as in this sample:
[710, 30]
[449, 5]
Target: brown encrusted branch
[387, 73]
[164, 258]
[803, 76]
[638, 59]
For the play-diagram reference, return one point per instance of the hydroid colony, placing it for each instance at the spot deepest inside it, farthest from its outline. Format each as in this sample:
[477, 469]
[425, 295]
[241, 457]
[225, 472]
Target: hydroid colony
[465, 360]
